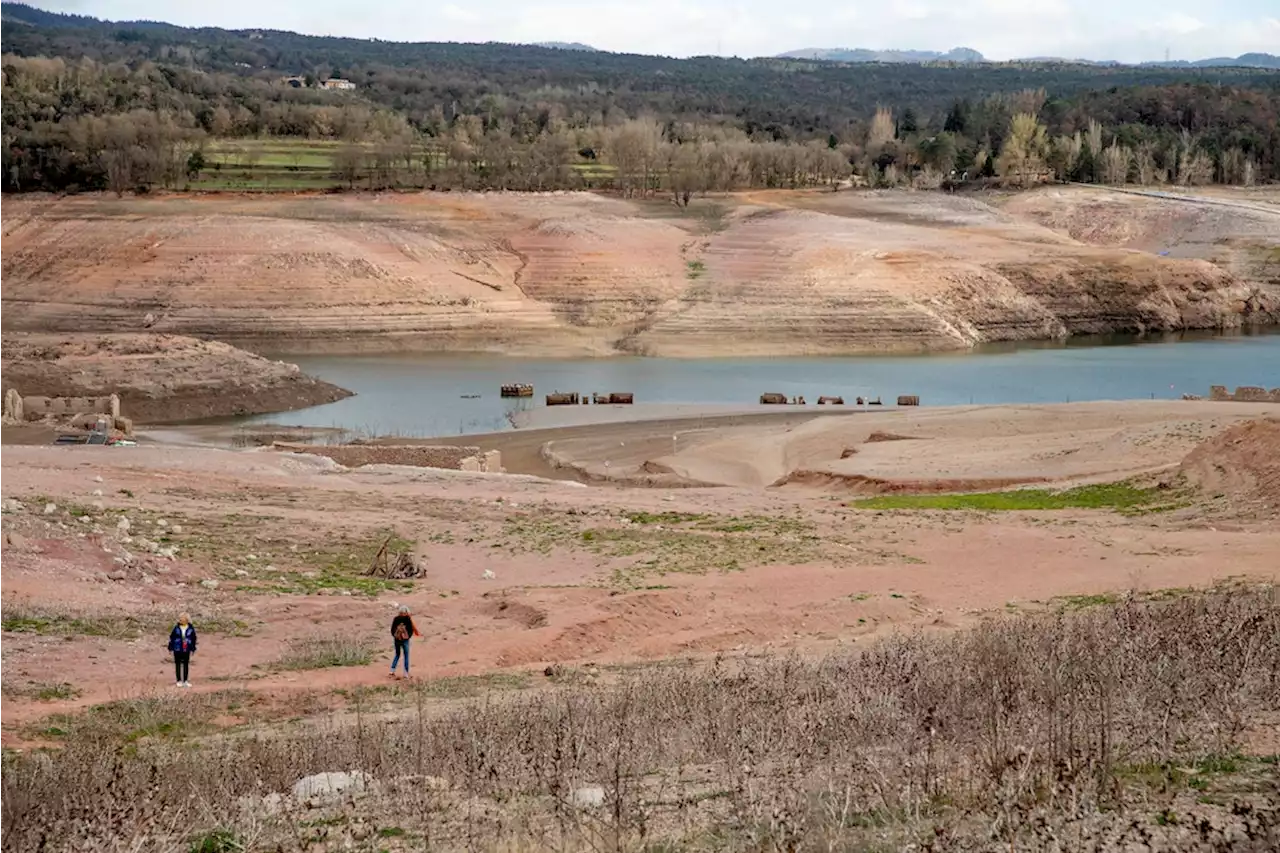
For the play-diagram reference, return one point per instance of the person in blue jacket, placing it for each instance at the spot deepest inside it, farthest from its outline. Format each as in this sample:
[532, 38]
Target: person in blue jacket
[182, 642]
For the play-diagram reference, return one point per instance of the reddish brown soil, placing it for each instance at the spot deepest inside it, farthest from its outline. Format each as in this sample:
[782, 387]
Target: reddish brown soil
[551, 597]
[1240, 468]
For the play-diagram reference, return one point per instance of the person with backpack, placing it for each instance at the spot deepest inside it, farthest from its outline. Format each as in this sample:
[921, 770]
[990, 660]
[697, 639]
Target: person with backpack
[402, 629]
[182, 642]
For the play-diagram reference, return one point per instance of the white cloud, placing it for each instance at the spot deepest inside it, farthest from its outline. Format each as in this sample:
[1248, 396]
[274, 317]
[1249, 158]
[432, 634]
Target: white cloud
[450, 12]
[1180, 24]
[1002, 29]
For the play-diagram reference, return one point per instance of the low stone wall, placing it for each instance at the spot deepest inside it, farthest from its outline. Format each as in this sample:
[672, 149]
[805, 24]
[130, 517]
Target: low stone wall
[415, 455]
[1244, 394]
[36, 407]
[33, 407]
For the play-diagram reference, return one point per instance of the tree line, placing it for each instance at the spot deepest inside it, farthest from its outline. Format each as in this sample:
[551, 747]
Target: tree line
[123, 124]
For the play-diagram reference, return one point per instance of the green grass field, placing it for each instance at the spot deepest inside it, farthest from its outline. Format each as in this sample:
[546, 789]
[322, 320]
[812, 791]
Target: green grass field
[287, 165]
[309, 165]
[1123, 497]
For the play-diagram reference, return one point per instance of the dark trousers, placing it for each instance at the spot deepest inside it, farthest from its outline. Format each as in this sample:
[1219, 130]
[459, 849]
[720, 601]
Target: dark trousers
[182, 665]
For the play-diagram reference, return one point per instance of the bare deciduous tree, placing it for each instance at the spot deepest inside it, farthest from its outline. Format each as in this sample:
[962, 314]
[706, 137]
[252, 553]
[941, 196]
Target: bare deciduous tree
[1022, 159]
[1114, 164]
[347, 163]
[881, 132]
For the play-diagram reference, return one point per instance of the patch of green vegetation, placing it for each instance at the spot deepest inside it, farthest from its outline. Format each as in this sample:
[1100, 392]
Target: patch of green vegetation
[695, 270]
[1123, 497]
[23, 618]
[45, 692]
[312, 583]
[335, 564]
[663, 517]
[55, 692]
[392, 832]
[1082, 602]
[1231, 773]
[648, 544]
[218, 841]
[1102, 599]
[132, 720]
[465, 686]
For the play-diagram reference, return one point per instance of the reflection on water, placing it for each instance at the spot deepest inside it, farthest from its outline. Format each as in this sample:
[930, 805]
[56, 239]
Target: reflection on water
[433, 394]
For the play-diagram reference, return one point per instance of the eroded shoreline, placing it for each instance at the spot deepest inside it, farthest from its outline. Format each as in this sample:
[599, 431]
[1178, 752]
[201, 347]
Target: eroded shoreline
[159, 378]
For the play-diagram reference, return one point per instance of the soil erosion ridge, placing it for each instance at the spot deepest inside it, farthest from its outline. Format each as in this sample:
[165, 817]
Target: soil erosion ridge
[159, 377]
[752, 274]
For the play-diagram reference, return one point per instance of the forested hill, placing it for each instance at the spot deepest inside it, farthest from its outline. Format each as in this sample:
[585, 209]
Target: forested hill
[90, 104]
[808, 97]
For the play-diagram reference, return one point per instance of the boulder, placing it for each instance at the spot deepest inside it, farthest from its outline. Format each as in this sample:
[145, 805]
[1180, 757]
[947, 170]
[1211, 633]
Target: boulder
[330, 787]
[587, 797]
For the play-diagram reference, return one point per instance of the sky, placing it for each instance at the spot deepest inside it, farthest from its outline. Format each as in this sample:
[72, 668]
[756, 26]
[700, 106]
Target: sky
[1125, 30]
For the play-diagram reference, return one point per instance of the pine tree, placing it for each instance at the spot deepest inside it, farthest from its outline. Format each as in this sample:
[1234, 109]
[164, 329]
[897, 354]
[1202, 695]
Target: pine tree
[909, 123]
[957, 118]
[1085, 166]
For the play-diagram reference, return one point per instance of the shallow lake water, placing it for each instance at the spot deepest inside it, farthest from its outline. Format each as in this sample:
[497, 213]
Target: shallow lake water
[424, 395]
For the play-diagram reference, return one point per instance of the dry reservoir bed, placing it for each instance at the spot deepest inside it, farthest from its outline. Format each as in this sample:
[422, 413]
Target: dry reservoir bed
[572, 610]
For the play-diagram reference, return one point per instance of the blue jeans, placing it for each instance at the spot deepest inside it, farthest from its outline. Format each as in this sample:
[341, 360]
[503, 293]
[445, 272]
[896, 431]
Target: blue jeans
[401, 646]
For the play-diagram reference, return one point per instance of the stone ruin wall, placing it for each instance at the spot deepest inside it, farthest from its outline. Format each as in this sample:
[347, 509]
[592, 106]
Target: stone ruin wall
[414, 455]
[1244, 394]
[34, 407]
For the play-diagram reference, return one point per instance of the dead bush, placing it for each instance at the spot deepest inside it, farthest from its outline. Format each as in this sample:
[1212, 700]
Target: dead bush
[1107, 724]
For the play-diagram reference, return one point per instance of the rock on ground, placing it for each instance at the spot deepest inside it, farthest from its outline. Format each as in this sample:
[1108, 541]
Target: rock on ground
[325, 787]
[588, 797]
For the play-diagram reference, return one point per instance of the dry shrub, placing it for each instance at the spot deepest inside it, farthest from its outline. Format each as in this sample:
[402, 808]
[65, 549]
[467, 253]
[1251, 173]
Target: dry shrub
[319, 651]
[1030, 733]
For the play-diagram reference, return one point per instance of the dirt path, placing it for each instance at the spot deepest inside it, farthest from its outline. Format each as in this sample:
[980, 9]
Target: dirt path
[1265, 209]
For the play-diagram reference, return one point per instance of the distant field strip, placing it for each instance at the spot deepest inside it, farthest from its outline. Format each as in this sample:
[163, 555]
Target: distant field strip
[284, 165]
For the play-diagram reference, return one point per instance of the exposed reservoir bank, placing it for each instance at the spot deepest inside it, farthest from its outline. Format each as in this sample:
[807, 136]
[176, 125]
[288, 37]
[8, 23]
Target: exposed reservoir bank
[424, 395]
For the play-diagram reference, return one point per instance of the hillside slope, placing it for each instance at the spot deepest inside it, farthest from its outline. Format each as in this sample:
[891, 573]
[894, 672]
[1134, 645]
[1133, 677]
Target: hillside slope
[766, 273]
[159, 377]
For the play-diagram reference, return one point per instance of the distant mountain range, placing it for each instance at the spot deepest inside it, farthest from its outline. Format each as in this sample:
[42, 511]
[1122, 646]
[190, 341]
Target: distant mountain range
[967, 54]
[862, 54]
[21, 14]
[565, 45]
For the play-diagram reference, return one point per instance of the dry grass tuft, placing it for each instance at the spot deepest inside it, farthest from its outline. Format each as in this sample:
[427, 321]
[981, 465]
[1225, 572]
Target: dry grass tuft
[1096, 729]
[320, 651]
